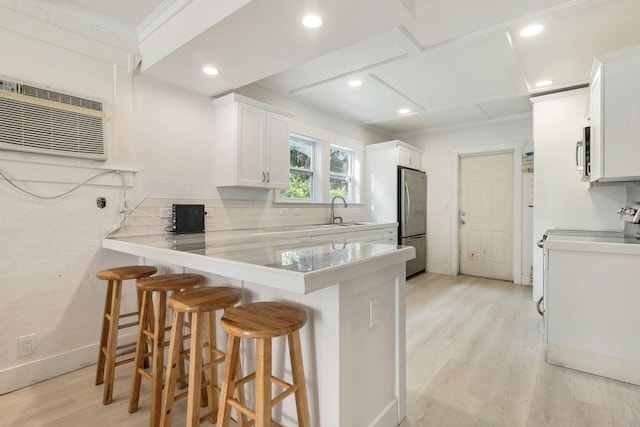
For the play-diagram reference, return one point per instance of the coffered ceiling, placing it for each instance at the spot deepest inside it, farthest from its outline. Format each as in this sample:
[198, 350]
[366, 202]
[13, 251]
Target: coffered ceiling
[447, 61]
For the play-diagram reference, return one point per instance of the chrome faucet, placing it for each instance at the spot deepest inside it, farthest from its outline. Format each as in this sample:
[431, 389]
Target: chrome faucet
[333, 217]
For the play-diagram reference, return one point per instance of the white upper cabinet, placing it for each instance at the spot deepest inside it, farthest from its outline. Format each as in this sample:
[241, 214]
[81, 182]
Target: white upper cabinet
[408, 156]
[614, 109]
[252, 143]
[399, 153]
[381, 163]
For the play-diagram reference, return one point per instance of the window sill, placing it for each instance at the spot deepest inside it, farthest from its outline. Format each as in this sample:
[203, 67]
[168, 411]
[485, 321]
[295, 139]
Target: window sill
[311, 202]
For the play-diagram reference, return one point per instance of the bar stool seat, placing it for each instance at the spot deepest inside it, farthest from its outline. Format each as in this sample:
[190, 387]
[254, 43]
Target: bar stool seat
[263, 321]
[200, 305]
[151, 330]
[110, 323]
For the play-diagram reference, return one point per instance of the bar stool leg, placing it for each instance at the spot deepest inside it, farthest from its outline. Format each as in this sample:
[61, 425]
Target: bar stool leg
[175, 348]
[212, 368]
[141, 342]
[107, 396]
[195, 371]
[263, 382]
[297, 369]
[242, 418]
[158, 358]
[228, 380]
[147, 324]
[104, 336]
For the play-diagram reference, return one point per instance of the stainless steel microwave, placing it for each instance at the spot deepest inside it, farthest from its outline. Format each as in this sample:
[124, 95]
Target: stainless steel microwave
[583, 154]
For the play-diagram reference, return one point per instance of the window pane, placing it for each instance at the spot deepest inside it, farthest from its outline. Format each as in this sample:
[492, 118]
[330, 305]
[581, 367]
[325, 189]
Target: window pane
[300, 186]
[300, 153]
[339, 161]
[339, 187]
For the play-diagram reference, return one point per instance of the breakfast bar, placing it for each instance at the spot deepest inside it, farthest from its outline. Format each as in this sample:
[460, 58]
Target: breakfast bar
[354, 293]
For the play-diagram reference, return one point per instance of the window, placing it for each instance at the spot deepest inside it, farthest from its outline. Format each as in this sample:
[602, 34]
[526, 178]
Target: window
[340, 173]
[301, 172]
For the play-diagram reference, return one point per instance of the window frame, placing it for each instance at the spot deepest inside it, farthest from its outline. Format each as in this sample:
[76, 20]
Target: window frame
[312, 171]
[323, 142]
[348, 177]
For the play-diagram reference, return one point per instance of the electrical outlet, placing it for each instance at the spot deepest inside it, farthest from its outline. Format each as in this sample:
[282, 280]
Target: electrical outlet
[26, 345]
[166, 212]
[297, 211]
[374, 312]
[284, 211]
[445, 259]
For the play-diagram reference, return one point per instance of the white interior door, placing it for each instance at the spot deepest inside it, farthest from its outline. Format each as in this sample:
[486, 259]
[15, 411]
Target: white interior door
[486, 216]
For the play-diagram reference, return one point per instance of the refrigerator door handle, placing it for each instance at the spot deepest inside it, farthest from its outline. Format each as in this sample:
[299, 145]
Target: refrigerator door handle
[408, 199]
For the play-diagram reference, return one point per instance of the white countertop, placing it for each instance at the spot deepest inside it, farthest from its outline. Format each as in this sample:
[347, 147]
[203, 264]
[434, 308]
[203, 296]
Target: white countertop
[276, 258]
[615, 242]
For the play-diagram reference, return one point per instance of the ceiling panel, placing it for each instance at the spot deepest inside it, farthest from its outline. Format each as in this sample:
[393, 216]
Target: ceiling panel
[440, 21]
[564, 51]
[371, 101]
[360, 56]
[434, 118]
[467, 72]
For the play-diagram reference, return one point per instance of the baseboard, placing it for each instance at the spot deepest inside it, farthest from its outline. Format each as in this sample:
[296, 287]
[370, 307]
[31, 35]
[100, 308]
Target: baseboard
[598, 364]
[388, 417]
[35, 371]
[17, 377]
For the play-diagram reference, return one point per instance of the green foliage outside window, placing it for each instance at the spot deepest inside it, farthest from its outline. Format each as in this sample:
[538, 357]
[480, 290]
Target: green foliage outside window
[339, 161]
[299, 187]
[339, 168]
[301, 173]
[338, 187]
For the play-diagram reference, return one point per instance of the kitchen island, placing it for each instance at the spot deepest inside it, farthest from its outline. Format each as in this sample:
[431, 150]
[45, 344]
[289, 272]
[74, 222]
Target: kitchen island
[354, 293]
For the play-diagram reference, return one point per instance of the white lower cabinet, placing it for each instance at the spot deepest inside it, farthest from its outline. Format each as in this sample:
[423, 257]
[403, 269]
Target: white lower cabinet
[387, 235]
[591, 311]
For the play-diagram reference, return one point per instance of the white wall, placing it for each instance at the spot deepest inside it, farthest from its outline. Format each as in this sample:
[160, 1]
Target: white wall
[51, 248]
[561, 200]
[441, 149]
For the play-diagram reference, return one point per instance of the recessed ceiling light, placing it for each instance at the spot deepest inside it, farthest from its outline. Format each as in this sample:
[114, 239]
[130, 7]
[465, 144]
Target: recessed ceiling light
[210, 71]
[355, 83]
[312, 21]
[404, 111]
[544, 83]
[531, 30]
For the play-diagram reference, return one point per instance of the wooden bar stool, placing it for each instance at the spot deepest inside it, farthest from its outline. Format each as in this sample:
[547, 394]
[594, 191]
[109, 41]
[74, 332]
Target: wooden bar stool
[152, 330]
[110, 323]
[263, 321]
[201, 306]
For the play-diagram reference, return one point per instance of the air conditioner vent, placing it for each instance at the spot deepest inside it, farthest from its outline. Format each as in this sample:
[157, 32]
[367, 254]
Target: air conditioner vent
[42, 121]
[62, 98]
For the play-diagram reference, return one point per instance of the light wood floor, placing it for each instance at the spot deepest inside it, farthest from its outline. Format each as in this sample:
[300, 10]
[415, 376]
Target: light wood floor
[474, 358]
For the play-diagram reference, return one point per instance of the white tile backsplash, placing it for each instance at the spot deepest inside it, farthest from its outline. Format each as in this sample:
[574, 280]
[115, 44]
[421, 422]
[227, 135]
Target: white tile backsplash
[240, 214]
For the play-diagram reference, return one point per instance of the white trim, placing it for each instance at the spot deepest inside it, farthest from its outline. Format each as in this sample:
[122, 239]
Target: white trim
[516, 149]
[29, 373]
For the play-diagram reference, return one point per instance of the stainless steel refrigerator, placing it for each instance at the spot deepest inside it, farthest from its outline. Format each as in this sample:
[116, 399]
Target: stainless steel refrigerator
[412, 216]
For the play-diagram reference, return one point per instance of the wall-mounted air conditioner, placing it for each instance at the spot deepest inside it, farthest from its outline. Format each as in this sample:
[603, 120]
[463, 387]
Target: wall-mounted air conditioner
[43, 121]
